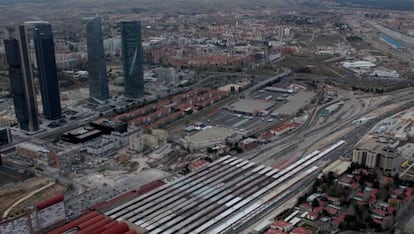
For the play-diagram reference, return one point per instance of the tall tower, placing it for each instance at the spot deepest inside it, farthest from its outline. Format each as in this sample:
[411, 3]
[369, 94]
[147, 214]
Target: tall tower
[46, 66]
[132, 59]
[21, 79]
[98, 84]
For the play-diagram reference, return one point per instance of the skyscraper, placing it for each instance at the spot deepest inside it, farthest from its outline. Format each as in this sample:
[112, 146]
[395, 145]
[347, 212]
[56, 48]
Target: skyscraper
[46, 66]
[132, 58]
[98, 84]
[21, 79]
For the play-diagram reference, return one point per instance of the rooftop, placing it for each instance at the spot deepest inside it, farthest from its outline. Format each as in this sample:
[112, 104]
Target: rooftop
[211, 134]
[250, 106]
[207, 200]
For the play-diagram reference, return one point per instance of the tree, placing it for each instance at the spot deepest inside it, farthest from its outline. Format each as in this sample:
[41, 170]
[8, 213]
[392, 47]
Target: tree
[315, 203]
[69, 187]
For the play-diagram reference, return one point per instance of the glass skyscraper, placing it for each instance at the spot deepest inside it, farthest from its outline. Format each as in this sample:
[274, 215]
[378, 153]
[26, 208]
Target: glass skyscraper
[46, 66]
[98, 84]
[132, 59]
[21, 79]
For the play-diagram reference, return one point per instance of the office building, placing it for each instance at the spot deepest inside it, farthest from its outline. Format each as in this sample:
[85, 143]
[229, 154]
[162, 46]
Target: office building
[98, 84]
[377, 153]
[132, 59]
[47, 71]
[21, 79]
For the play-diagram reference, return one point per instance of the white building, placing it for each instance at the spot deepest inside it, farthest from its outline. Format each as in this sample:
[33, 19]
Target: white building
[69, 60]
[107, 144]
[207, 138]
[112, 46]
[358, 65]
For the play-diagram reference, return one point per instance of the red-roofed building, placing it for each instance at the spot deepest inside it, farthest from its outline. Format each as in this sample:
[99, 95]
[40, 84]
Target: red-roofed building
[385, 222]
[197, 164]
[48, 202]
[386, 180]
[50, 212]
[274, 231]
[282, 225]
[345, 181]
[279, 130]
[368, 184]
[408, 196]
[265, 137]
[355, 186]
[409, 190]
[338, 220]
[306, 206]
[331, 211]
[120, 228]
[372, 202]
[398, 192]
[94, 222]
[379, 212]
[315, 213]
[300, 230]
[125, 196]
[148, 187]
[248, 144]
[361, 196]
[373, 193]
[131, 232]
[323, 203]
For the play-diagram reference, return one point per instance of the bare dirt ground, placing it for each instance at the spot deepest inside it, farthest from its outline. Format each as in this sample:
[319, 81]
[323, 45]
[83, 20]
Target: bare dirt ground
[10, 194]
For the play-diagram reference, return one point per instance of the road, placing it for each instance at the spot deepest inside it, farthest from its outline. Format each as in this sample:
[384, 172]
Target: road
[263, 83]
[339, 125]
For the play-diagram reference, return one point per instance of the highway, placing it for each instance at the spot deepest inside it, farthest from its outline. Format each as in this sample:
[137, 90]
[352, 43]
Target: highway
[263, 83]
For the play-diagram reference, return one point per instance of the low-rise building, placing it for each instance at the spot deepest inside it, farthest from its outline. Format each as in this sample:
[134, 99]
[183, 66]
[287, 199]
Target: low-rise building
[64, 157]
[152, 140]
[282, 225]
[248, 144]
[207, 138]
[108, 144]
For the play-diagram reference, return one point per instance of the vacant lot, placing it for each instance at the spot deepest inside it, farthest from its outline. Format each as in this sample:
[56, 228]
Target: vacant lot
[10, 194]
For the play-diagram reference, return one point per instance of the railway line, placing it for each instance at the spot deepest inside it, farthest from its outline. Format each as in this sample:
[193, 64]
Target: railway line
[213, 199]
[309, 134]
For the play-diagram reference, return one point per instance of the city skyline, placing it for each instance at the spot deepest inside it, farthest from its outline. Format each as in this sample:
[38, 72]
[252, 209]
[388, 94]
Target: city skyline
[207, 116]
